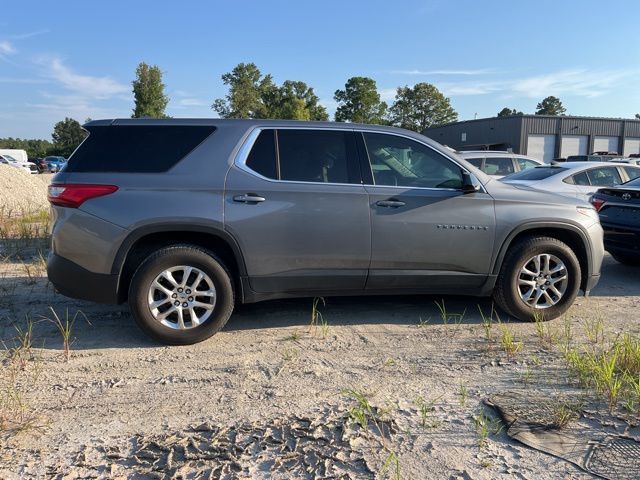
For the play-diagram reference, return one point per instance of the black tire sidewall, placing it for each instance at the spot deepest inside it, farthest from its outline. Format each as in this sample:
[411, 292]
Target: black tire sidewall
[511, 270]
[171, 257]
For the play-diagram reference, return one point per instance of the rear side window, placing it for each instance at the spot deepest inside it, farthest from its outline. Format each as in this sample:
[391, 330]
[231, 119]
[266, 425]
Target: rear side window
[262, 158]
[323, 156]
[136, 148]
[632, 173]
[498, 166]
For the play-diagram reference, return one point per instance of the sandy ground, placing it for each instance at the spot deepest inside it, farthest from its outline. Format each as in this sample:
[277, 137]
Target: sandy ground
[22, 192]
[121, 394]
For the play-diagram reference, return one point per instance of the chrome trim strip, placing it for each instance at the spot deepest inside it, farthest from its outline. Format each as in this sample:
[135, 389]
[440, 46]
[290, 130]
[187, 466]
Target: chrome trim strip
[240, 159]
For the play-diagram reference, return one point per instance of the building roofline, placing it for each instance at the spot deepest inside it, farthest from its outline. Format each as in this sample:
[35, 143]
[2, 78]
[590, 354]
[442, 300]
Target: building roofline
[510, 117]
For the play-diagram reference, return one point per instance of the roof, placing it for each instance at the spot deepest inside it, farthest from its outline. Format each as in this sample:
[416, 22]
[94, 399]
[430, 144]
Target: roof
[239, 122]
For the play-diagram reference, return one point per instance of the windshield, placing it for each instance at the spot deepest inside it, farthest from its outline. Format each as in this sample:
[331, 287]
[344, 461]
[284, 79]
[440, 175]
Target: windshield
[10, 158]
[536, 173]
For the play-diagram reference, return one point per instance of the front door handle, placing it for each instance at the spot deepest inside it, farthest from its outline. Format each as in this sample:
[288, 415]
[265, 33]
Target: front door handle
[249, 198]
[390, 203]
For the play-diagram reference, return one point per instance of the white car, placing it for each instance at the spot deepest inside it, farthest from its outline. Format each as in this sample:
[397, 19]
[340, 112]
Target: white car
[26, 166]
[575, 179]
[498, 163]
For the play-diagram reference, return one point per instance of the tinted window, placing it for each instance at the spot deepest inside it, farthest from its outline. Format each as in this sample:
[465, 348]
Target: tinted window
[324, 156]
[632, 173]
[498, 166]
[604, 177]
[577, 158]
[404, 162]
[525, 163]
[136, 148]
[262, 158]
[476, 162]
[537, 173]
[579, 179]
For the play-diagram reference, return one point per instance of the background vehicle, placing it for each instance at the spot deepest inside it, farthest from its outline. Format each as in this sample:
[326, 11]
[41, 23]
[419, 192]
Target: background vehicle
[19, 154]
[575, 179]
[335, 209]
[629, 160]
[619, 210]
[594, 157]
[26, 166]
[55, 163]
[499, 164]
[41, 164]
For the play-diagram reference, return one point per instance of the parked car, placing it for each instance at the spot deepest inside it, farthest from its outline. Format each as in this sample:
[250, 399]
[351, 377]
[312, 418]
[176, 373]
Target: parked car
[575, 179]
[40, 164]
[55, 163]
[184, 218]
[629, 160]
[497, 163]
[17, 153]
[619, 210]
[26, 166]
[594, 157]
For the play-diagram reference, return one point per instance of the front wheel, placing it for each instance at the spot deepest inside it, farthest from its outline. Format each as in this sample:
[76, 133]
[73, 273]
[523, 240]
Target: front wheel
[181, 295]
[539, 279]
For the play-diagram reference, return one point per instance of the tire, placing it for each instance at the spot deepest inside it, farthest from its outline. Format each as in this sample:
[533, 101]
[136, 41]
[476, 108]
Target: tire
[211, 309]
[633, 261]
[508, 292]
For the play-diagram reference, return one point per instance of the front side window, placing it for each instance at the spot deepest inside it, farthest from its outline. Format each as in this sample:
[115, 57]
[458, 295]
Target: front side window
[498, 166]
[399, 161]
[526, 163]
[604, 177]
[476, 162]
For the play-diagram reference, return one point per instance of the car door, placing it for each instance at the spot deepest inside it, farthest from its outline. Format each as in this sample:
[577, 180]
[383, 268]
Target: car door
[295, 203]
[425, 233]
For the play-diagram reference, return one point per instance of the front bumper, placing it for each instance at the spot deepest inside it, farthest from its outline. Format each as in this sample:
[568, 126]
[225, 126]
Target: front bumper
[72, 280]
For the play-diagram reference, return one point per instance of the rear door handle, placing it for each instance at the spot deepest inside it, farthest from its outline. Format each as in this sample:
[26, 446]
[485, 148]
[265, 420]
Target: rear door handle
[390, 203]
[249, 198]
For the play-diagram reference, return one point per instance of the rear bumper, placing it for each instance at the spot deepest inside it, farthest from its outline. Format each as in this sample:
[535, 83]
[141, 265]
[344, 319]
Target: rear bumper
[72, 280]
[621, 239]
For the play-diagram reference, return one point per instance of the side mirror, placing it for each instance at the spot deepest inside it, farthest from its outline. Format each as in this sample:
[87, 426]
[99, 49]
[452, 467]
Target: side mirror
[467, 184]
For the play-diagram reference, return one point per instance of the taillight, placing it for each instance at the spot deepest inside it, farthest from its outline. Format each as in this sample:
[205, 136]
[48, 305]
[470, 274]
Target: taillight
[597, 203]
[74, 195]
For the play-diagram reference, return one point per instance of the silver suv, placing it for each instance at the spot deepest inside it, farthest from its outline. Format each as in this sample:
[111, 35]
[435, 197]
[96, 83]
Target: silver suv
[184, 218]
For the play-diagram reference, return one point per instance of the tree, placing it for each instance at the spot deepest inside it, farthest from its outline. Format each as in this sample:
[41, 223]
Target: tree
[148, 92]
[550, 106]
[35, 148]
[252, 95]
[67, 135]
[247, 87]
[507, 112]
[421, 107]
[293, 100]
[638, 116]
[360, 102]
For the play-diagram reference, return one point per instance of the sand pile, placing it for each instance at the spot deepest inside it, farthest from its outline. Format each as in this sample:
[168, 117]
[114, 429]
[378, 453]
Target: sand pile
[22, 192]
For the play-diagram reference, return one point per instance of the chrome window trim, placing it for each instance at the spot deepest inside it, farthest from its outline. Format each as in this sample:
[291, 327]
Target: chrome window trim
[241, 157]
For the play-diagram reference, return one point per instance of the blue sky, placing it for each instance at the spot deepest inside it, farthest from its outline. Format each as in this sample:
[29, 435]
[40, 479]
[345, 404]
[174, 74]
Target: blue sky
[77, 59]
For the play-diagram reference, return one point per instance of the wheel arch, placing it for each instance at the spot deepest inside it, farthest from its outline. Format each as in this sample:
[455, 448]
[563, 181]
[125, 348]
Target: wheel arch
[139, 243]
[572, 235]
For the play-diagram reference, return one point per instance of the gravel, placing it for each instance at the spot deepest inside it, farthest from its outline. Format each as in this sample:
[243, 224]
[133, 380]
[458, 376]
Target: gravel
[21, 192]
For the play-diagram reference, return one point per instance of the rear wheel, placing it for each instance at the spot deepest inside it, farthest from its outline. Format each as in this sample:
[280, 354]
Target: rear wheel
[181, 295]
[539, 279]
[630, 260]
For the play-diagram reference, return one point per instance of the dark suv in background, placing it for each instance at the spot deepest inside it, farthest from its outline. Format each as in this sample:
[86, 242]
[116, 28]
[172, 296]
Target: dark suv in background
[184, 218]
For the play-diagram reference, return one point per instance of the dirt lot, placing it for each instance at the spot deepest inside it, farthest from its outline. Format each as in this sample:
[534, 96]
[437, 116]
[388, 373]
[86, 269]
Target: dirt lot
[123, 406]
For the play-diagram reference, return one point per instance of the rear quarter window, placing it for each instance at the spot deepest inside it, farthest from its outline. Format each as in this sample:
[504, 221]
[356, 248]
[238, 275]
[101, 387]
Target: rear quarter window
[136, 148]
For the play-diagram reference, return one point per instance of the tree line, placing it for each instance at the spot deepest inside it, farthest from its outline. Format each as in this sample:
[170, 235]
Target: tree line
[252, 94]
